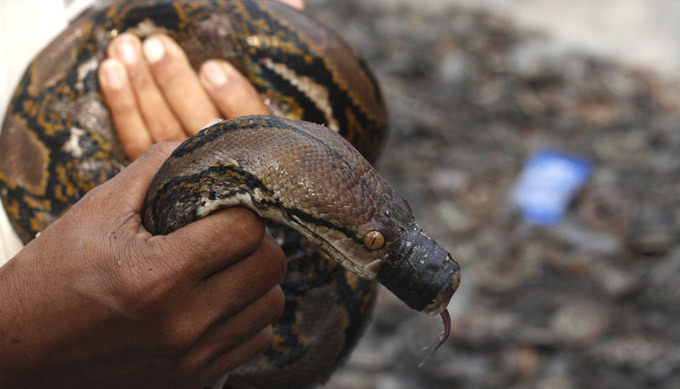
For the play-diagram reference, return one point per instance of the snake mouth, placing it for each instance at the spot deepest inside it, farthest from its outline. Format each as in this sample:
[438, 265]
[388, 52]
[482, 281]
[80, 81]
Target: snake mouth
[421, 273]
[440, 302]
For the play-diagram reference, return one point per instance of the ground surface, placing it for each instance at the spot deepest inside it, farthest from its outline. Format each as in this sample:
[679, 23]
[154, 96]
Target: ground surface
[590, 302]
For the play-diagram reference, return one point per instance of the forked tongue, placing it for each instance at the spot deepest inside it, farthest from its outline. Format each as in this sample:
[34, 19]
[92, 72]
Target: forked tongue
[446, 319]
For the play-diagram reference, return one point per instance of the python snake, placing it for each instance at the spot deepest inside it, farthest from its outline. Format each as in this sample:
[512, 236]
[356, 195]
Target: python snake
[57, 143]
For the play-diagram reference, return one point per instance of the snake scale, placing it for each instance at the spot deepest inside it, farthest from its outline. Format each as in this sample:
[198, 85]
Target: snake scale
[324, 200]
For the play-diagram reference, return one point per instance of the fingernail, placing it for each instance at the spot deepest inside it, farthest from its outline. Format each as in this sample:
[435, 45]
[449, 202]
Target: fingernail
[153, 49]
[113, 74]
[214, 73]
[211, 122]
[299, 4]
[125, 51]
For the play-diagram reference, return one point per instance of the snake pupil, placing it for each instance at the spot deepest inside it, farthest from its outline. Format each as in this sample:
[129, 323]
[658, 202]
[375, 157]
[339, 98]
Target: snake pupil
[374, 240]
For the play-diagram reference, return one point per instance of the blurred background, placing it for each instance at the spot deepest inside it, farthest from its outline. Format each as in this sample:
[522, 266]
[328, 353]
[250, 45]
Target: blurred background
[538, 142]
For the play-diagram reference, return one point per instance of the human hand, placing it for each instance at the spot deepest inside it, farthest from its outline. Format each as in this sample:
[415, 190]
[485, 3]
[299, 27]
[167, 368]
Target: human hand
[96, 301]
[154, 95]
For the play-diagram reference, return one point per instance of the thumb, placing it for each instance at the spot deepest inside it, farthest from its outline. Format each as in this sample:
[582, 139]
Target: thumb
[131, 183]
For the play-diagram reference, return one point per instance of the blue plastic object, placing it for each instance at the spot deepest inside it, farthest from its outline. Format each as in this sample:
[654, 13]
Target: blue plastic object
[547, 184]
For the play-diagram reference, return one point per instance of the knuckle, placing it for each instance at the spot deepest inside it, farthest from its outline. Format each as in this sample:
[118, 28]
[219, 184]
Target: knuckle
[177, 338]
[138, 293]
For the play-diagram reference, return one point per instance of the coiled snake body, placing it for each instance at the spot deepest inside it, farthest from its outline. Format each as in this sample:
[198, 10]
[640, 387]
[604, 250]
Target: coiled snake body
[57, 143]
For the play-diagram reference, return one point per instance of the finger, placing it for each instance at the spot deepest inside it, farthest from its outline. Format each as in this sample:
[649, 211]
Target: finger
[299, 4]
[235, 330]
[217, 241]
[135, 179]
[246, 323]
[179, 83]
[246, 280]
[160, 121]
[233, 94]
[122, 104]
[238, 355]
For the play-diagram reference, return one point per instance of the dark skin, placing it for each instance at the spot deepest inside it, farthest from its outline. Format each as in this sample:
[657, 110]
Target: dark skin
[113, 306]
[96, 301]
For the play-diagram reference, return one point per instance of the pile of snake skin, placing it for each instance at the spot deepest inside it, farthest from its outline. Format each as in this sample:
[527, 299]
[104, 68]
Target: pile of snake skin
[591, 302]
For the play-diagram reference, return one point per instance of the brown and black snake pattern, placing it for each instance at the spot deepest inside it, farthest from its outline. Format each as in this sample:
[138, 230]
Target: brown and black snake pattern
[57, 143]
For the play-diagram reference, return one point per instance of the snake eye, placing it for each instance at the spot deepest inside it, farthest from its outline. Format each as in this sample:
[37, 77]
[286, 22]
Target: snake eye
[374, 240]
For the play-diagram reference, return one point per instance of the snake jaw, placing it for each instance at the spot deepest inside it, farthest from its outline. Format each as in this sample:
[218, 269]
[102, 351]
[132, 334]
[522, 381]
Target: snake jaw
[374, 267]
[438, 306]
[366, 270]
[330, 242]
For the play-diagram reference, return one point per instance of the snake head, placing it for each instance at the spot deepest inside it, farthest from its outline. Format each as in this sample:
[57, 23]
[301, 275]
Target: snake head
[419, 272]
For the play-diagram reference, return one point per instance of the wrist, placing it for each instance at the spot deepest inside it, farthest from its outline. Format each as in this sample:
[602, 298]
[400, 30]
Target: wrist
[16, 332]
